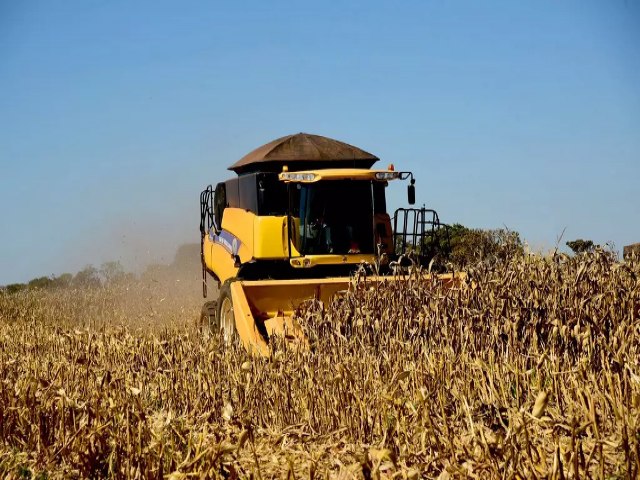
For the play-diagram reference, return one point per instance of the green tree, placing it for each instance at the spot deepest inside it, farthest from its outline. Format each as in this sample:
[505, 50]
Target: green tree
[581, 246]
[15, 287]
[468, 245]
[87, 277]
[62, 281]
[40, 283]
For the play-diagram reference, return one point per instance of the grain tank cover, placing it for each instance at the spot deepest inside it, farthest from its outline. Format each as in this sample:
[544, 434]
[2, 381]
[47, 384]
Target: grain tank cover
[303, 151]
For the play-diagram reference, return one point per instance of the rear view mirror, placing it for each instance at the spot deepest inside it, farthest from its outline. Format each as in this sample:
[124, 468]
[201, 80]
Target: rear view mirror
[411, 193]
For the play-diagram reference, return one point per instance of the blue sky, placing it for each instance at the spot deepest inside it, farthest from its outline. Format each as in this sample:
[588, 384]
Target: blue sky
[115, 114]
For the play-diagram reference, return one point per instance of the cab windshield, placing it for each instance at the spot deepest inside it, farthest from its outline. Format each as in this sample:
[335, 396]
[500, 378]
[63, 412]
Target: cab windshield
[333, 217]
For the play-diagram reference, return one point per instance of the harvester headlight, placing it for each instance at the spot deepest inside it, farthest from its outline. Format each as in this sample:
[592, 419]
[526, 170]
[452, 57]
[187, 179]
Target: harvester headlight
[386, 175]
[297, 177]
[305, 263]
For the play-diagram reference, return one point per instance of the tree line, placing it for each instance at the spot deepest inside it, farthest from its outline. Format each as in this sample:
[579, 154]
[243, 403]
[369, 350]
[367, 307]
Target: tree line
[462, 246]
[186, 263]
[89, 276]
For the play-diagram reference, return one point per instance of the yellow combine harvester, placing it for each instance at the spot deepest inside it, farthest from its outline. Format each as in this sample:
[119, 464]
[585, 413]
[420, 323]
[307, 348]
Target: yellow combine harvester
[303, 214]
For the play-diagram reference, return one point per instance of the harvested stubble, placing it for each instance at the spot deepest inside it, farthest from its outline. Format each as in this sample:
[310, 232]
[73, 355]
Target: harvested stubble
[529, 371]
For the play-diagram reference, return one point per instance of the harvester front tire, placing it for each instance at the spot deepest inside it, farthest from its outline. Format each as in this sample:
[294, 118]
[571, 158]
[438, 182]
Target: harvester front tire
[226, 316]
[209, 317]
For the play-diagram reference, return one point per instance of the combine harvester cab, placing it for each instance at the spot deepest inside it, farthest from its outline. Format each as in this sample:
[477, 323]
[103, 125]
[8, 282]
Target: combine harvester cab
[302, 215]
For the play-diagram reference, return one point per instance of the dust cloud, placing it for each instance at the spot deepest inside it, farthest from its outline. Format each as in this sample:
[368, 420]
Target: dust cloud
[161, 260]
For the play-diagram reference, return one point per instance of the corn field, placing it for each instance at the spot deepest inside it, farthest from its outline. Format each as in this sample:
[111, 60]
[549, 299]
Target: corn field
[530, 370]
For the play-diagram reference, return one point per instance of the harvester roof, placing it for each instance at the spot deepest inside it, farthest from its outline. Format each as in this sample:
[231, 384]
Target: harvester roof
[303, 151]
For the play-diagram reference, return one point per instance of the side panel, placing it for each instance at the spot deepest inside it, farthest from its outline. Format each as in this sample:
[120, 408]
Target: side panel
[235, 239]
[239, 223]
[249, 237]
[270, 238]
[218, 259]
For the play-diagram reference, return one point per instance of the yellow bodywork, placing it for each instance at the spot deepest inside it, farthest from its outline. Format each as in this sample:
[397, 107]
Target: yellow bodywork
[258, 238]
[272, 304]
[262, 238]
